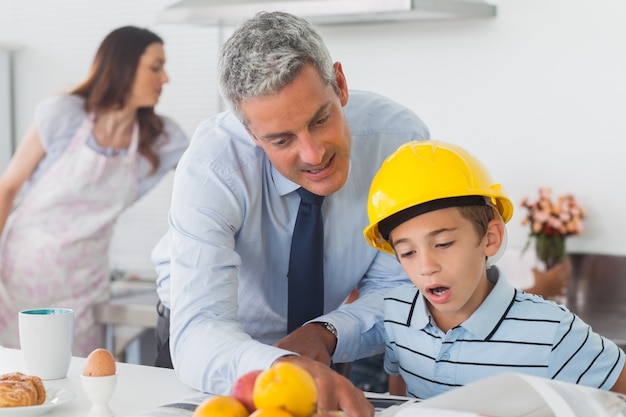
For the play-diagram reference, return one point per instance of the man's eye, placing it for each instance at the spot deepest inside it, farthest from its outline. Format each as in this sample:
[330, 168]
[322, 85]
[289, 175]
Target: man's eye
[279, 142]
[321, 121]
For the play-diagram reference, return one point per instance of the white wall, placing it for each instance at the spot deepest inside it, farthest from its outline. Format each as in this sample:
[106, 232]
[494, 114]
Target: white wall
[538, 92]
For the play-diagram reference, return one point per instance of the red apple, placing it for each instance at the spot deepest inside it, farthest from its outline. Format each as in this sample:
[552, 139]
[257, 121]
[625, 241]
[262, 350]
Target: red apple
[243, 388]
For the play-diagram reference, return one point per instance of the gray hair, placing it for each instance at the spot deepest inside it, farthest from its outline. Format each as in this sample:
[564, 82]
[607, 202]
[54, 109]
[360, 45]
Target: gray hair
[266, 53]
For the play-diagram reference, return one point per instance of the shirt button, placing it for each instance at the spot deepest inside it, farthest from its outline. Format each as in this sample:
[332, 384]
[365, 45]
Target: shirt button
[445, 356]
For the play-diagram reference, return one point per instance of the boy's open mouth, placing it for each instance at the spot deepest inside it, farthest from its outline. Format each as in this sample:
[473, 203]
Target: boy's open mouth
[439, 290]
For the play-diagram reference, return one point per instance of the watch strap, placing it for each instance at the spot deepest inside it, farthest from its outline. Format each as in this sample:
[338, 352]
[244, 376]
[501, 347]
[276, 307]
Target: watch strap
[331, 328]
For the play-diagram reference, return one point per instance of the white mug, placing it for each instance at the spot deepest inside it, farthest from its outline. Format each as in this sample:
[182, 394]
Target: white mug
[46, 341]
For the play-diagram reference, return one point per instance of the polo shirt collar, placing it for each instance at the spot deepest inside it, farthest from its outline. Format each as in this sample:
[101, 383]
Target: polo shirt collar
[485, 319]
[421, 316]
[489, 315]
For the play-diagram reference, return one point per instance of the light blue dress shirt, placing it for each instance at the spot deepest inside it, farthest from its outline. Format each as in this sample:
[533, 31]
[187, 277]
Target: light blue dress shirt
[223, 264]
[511, 331]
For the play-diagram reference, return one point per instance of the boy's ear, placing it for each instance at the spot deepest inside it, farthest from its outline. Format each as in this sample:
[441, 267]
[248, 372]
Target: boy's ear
[495, 237]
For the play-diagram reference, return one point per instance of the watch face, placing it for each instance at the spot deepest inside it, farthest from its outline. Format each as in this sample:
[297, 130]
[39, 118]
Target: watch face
[331, 328]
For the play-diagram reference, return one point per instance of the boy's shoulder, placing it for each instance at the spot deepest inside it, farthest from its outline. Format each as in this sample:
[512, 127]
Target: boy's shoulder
[538, 307]
[405, 293]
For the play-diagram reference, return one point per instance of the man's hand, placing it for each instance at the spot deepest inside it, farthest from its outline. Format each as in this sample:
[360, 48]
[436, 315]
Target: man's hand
[311, 340]
[334, 391]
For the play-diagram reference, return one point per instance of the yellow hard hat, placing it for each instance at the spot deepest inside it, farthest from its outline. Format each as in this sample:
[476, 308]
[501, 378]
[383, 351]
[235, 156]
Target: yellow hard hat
[422, 176]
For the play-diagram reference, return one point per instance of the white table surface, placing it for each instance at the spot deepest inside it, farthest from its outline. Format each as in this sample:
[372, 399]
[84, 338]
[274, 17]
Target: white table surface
[139, 388]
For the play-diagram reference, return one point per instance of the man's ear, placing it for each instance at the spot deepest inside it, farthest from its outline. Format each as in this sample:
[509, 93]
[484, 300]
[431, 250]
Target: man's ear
[494, 237]
[342, 84]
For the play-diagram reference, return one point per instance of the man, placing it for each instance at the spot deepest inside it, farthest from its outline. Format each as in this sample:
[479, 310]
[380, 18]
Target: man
[223, 266]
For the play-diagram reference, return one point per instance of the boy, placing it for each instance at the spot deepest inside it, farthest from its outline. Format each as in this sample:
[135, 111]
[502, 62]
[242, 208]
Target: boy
[435, 206]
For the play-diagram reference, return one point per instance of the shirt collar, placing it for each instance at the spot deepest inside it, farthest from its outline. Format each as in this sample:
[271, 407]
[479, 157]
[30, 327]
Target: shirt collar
[421, 316]
[285, 186]
[485, 319]
[492, 310]
[282, 184]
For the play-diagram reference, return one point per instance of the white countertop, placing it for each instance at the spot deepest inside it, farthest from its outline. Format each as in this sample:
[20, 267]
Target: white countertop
[139, 388]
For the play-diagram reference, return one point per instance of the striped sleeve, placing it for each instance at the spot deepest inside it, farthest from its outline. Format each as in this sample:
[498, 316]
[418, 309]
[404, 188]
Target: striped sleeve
[582, 356]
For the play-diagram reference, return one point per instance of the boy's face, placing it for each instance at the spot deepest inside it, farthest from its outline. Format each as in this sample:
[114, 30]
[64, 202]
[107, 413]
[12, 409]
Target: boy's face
[443, 256]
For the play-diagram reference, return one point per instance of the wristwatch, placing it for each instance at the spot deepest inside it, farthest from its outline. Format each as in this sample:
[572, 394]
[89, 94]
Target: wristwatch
[330, 327]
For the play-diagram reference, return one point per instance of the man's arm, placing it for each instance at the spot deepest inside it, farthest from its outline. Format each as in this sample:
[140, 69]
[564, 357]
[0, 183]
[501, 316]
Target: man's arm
[359, 324]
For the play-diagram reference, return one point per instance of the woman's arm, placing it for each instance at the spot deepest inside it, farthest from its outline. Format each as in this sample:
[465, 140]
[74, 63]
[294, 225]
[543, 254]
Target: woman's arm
[20, 168]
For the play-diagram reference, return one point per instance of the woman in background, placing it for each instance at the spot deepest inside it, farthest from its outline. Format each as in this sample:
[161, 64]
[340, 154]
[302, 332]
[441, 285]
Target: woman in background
[89, 155]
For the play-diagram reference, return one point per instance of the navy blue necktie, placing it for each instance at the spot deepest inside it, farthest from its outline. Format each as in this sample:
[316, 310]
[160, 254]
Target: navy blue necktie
[306, 263]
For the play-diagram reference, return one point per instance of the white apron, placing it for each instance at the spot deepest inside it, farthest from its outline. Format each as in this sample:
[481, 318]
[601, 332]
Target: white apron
[54, 248]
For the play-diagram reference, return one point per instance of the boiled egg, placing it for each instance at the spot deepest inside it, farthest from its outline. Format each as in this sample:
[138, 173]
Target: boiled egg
[100, 362]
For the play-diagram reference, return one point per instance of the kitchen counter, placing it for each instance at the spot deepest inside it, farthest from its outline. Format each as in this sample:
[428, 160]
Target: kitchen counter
[597, 293]
[135, 309]
[130, 311]
[139, 388]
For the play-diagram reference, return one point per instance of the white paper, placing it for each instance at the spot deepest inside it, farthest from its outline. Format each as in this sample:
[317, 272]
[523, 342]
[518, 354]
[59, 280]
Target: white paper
[518, 395]
[503, 395]
[182, 408]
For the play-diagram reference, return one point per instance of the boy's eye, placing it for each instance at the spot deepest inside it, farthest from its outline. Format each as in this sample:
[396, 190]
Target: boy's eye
[407, 254]
[445, 244]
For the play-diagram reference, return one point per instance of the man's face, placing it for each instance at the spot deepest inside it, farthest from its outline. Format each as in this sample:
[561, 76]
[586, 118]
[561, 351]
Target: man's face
[303, 131]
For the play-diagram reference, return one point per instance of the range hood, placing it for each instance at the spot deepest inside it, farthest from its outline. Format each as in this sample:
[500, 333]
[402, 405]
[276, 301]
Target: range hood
[231, 12]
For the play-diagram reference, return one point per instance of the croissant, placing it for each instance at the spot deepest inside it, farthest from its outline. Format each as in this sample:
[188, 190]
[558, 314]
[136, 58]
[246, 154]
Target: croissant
[20, 390]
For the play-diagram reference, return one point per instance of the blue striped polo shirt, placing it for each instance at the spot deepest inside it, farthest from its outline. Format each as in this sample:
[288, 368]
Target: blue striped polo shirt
[511, 331]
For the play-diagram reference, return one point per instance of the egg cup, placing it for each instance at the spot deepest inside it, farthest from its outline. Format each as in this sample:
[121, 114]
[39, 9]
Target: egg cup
[99, 390]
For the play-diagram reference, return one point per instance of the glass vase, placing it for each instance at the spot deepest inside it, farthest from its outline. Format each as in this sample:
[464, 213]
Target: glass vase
[550, 249]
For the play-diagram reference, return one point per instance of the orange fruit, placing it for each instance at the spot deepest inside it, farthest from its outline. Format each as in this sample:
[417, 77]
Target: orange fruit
[220, 406]
[286, 386]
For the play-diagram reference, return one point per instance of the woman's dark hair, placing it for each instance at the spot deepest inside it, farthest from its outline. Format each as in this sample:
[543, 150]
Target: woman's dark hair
[111, 79]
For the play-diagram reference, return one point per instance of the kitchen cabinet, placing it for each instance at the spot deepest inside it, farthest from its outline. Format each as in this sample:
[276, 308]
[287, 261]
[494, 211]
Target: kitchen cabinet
[228, 12]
